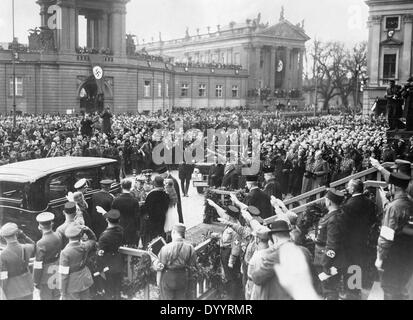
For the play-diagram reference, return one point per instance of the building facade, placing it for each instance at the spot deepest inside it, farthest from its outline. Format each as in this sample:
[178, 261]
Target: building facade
[273, 55]
[389, 47]
[54, 75]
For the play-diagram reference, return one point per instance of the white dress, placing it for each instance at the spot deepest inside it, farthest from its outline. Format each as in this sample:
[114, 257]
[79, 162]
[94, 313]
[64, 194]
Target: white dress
[171, 218]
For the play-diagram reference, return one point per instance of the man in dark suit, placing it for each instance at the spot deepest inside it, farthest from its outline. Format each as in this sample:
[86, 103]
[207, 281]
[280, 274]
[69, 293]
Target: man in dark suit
[272, 186]
[185, 171]
[215, 174]
[231, 177]
[103, 199]
[165, 174]
[156, 206]
[129, 213]
[258, 198]
[359, 217]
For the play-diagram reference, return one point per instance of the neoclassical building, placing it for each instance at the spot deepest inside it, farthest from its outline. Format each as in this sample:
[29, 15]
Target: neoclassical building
[389, 46]
[273, 55]
[54, 75]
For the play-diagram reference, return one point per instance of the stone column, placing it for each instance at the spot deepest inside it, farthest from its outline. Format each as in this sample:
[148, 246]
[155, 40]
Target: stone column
[300, 69]
[287, 73]
[374, 49]
[273, 66]
[406, 64]
[118, 27]
[89, 32]
[43, 14]
[67, 36]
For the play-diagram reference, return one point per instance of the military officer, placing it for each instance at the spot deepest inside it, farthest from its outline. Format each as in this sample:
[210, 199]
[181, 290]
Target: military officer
[175, 261]
[75, 276]
[81, 185]
[109, 259]
[395, 248]
[70, 218]
[16, 282]
[104, 199]
[329, 248]
[46, 261]
[230, 255]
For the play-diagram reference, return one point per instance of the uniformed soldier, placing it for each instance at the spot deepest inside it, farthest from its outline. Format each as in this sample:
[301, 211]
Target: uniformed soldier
[70, 218]
[81, 185]
[109, 259]
[16, 282]
[329, 249]
[46, 261]
[175, 260]
[103, 199]
[395, 248]
[75, 276]
[230, 255]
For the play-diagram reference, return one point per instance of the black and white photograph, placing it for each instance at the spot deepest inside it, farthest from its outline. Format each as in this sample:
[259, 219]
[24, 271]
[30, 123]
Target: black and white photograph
[217, 152]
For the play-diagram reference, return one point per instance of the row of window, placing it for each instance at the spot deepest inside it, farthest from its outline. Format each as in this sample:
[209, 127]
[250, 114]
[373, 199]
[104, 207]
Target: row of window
[222, 57]
[202, 90]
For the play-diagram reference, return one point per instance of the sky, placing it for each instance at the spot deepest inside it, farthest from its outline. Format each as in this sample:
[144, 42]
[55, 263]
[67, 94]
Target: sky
[343, 20]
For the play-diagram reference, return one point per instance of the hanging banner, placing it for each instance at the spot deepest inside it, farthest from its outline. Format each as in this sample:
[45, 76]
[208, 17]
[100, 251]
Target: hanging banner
[96, 60]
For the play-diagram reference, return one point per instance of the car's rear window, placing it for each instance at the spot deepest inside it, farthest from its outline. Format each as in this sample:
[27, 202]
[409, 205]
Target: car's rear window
[11, 190]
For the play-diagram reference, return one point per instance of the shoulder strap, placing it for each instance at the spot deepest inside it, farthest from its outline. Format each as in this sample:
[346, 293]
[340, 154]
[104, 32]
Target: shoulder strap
[177, 256]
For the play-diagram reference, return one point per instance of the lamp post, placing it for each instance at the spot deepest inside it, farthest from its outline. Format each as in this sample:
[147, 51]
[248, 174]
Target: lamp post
[14, 69]
[358, 70]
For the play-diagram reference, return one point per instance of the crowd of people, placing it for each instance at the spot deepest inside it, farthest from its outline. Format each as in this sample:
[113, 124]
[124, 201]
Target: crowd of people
[261, 235]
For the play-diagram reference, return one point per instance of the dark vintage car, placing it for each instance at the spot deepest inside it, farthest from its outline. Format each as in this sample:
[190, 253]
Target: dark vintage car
[28, 188]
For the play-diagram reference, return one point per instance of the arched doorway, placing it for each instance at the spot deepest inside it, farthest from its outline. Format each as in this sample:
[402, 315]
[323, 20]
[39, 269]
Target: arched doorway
[90, 98]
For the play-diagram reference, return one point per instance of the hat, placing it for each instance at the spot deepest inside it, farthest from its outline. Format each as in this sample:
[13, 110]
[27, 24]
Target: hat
[403, 166]
[8, 230]
[162, 169]
[179, 227]
[73, 230]
[106, 182]
[399, 179]
[254, 211]
[112, 214]
[147, 171]
[262, 233]
[252, 178]
[279, 225]
[81, 183]
[336, 196]
[268, 170]
[140, 178]
[70, 208]
[45, 217]
[233, 211]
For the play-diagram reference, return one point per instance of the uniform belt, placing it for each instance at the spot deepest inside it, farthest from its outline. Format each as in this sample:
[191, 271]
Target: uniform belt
[226, 247]
[320, 244]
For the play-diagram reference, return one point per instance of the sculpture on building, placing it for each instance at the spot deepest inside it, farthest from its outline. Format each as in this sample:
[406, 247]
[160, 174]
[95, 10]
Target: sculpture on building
[130, 44]
[282, 14]
[41, 39]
